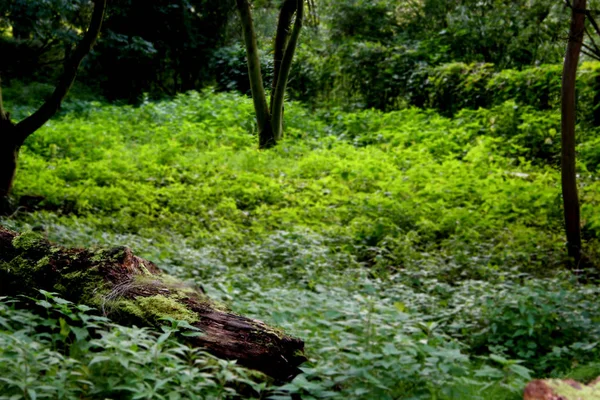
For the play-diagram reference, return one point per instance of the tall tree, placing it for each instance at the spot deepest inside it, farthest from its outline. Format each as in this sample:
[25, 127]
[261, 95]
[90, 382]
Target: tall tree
[13, 135]
[568, 114]
[269, 118]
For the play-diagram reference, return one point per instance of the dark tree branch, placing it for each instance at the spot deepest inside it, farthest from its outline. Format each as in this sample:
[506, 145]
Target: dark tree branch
[589, 49]
[593, 22]
[591, 55]
[587, 13]
[589, 35]
[51, 106]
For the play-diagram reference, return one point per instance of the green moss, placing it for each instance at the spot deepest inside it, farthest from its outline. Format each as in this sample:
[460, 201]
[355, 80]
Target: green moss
[170, 280]
[28, 241]
[152, 309]
[111, 255]
[217, 305]
[85, 285]
[144, 269]
[568, 392]
[269, 329]
[98, 256]
[21, 269]
[41, 263]
[177, 289]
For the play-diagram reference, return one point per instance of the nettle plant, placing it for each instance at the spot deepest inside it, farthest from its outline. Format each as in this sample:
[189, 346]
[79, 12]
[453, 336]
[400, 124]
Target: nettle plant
[57, 349]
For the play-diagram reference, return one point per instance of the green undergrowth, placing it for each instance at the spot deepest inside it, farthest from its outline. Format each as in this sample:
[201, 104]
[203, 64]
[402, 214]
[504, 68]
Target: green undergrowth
[418, 256]
[66, 351]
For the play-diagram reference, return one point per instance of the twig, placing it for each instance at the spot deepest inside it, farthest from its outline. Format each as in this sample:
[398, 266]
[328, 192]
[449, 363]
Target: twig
[14, 214]
[590, 49]
[592, 39]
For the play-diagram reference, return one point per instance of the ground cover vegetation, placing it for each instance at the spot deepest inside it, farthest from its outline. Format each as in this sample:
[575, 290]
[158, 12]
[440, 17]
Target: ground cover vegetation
[408, 226]
[418, 256]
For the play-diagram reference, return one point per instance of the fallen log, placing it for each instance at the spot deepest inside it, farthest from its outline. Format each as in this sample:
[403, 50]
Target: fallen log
[131, 290]
[562, 389]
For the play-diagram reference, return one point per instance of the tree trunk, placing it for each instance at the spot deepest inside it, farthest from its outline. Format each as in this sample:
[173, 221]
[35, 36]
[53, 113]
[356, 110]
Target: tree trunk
[284, 73]
[568, 113]
[131, 290]
[266, 136]
[8, 166]
[269, 118]
[259, 98]
[9, 150]
[282, 35]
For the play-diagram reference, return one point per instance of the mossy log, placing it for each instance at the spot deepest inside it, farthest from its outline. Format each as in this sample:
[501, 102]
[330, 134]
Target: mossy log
[557, 389]
[131, 291]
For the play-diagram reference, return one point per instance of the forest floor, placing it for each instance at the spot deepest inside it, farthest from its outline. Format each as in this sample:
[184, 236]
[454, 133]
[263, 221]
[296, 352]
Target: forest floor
[419, 257]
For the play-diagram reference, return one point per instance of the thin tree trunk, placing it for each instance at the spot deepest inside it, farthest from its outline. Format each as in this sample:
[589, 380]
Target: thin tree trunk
[284, 73]
[568, 113]
[263, 117]
[8, 160]
[131, 291]
[286, 14]
[9, 149]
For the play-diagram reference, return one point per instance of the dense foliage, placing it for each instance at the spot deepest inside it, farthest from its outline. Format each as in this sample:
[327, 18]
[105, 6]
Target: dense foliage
[418, 256]
[409, 227]
[35, 34]
[354, 53]
[71, 353]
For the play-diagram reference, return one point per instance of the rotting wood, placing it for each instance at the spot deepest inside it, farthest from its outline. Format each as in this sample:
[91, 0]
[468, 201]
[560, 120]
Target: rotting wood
[131, 290]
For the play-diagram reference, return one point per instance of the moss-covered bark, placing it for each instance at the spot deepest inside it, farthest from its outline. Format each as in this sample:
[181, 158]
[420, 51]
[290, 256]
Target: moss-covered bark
[557, 389]
[131, 290]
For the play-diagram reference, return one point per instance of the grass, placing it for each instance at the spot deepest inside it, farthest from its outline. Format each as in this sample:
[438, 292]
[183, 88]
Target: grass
[418, 256]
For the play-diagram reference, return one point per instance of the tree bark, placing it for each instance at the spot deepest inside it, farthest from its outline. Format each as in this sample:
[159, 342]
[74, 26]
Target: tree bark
[131, 290]
[284, 73]
[269, 118]
[9, 150]
[284, 22]
[561, 389]
[568, 113]
[259, 98]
